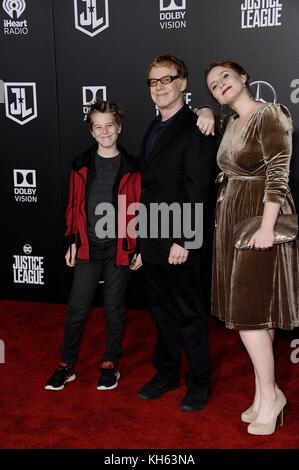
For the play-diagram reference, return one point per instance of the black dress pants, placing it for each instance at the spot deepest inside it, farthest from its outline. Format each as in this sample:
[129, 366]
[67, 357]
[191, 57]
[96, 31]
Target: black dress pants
[86, 277]
[175, 301]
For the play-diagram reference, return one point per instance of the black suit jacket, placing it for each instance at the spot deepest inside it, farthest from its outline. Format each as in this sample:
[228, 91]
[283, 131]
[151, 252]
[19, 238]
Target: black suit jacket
[180, 168]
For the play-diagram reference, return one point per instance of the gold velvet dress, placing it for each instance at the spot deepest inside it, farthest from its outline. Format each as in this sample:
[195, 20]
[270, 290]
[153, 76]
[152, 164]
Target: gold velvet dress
[255, 289]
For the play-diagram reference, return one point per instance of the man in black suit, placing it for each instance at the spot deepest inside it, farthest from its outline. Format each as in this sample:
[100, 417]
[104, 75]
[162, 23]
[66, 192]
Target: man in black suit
[178, 165]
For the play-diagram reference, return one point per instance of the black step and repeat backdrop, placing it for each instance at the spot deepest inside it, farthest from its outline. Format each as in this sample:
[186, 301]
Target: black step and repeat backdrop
[57, 56]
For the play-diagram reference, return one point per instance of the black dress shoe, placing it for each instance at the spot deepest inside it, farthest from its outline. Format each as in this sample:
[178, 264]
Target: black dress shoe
[156, 387]
[194, 400]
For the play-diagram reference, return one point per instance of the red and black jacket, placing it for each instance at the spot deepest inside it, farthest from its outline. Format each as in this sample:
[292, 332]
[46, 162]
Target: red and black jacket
[127, 183]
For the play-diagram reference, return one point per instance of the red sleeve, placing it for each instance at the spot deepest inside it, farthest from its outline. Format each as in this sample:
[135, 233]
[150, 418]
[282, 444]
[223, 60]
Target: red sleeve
[71, 210]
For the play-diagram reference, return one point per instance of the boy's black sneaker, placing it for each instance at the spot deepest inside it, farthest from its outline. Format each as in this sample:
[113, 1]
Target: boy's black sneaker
[62, 375]
[108, 379]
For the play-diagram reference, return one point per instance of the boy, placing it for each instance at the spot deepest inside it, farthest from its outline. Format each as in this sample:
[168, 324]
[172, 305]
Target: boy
[100, 175]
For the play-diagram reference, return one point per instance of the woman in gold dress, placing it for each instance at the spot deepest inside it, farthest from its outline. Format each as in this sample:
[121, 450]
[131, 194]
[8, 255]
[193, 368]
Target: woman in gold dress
[256, 290]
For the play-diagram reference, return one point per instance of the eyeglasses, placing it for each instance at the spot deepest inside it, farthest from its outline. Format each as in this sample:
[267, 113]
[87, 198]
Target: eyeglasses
[165, 80]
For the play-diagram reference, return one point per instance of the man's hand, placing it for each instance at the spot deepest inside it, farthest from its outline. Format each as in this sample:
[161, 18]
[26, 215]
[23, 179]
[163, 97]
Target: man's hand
[205, 121]
[136, 262]
[178, 254]
[70, 257]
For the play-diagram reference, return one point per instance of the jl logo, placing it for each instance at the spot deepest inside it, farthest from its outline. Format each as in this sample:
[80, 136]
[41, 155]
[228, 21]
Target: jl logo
[91, 16]
[20, 102]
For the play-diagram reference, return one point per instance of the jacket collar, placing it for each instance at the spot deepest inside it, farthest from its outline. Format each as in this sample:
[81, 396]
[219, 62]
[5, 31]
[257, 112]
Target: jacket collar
[128, 162]
[182, 117]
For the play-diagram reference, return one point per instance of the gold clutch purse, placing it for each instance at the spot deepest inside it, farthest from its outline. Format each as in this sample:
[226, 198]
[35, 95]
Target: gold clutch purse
[285, 230]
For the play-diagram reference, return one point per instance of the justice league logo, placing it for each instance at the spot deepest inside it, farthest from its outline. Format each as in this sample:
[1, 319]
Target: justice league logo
[20, 102]
[28, 269]
[91, 16]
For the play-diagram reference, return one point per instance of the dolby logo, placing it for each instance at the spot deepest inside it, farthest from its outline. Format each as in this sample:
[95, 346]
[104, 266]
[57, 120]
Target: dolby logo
[173, 14]
[90, 94]
[169, 5]
[24, 185]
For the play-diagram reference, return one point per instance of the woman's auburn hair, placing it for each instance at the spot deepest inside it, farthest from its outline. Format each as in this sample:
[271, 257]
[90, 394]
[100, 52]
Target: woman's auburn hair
[230, 65]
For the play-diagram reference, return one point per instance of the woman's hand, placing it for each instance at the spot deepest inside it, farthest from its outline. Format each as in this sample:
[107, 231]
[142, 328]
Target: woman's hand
[205, 121]
[70, 257]
[262, 239]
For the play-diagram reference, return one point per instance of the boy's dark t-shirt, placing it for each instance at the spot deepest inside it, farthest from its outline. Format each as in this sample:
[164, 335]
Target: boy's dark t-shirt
[105, 171]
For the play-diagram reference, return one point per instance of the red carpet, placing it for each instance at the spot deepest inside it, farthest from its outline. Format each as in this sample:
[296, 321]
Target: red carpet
[82, 417]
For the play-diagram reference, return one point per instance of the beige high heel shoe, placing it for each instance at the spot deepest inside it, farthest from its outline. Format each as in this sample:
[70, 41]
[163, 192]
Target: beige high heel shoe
[264, 429]
[249, 415]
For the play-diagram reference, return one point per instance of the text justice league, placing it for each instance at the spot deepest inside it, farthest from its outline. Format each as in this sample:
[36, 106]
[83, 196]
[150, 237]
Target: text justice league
[260, 13]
